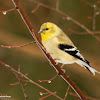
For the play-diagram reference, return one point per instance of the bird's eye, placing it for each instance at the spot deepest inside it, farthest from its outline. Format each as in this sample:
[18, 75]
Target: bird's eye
[47, 29]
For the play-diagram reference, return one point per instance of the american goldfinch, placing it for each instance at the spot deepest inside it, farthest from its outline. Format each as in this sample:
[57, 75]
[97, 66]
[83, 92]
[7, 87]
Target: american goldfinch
[61, 48]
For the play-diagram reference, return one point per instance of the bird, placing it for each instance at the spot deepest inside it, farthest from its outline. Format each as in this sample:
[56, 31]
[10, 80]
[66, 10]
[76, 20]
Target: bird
[61, 48]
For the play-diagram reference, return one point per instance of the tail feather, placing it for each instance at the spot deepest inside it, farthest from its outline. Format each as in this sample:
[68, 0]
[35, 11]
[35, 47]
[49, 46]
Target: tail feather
[88, 67]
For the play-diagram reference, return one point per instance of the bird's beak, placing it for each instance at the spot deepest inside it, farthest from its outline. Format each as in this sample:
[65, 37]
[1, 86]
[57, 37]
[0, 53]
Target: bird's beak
[40, 31]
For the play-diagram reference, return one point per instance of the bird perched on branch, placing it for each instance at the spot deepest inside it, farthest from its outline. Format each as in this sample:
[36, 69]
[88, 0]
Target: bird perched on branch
[61, 48]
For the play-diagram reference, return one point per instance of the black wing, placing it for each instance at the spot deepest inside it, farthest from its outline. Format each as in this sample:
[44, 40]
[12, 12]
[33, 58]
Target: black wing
[72, 51]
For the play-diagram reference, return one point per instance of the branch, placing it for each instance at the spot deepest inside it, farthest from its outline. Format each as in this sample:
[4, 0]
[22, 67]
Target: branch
[57, 4]
[38, 42]
[5, 12]
[18, 45]
[68, 17]
[15, 72]
[65, 15]
[34, 10]
[94, 17]
[67, 92]
[89, 98]
[47, 96]
[71, 30]
[91, 5]
[21, 84]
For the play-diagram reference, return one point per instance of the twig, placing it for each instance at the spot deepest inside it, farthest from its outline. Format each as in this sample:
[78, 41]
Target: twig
[67, 92]
[91, 5]
[86, 2]
[20, 82]
[49, 81]
[81, 33]
[22, 86]
[5, 12]
[47, 96]
[24, 91]
[68, 17]
[18, 46]
[41, 93]
[12, 84]
[57, 4]
[94, 18]
[34, 10]
[97, 37]
[62, 74]
[31, 81]
[89, 98]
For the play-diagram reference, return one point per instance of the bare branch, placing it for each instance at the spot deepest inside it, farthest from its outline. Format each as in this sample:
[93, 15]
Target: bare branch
[81, 33]
[31, 29]
[5, 12]
[67, 92]
[57, 4]
[18, 46]
[47, 96]
[34, 10]
[68, 17]
[22, 86]
[94, 18]
[91, 5]
[31, 81]
[89, 98]
[49, 81]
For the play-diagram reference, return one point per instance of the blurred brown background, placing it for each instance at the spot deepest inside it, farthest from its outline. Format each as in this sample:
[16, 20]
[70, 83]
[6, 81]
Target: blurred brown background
[32, 61]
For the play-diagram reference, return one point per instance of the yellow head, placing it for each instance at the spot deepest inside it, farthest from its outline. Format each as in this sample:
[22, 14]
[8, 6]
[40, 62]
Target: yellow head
[48, 30]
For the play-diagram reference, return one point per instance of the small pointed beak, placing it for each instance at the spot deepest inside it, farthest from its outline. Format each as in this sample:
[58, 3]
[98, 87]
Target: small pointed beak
[40, 31]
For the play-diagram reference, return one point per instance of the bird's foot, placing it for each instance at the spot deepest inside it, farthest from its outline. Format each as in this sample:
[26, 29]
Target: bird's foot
[62, 68]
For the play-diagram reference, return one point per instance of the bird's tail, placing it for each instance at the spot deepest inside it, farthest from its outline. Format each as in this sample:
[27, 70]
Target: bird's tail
[87, 66]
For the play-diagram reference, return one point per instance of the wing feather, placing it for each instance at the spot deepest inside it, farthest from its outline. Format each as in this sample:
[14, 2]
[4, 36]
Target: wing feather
[72, 50]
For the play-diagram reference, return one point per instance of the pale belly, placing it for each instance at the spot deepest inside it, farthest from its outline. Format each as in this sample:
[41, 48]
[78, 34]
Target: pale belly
[58, 55]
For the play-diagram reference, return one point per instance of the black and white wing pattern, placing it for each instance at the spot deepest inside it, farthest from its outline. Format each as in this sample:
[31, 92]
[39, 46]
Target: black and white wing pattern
[72, 51]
